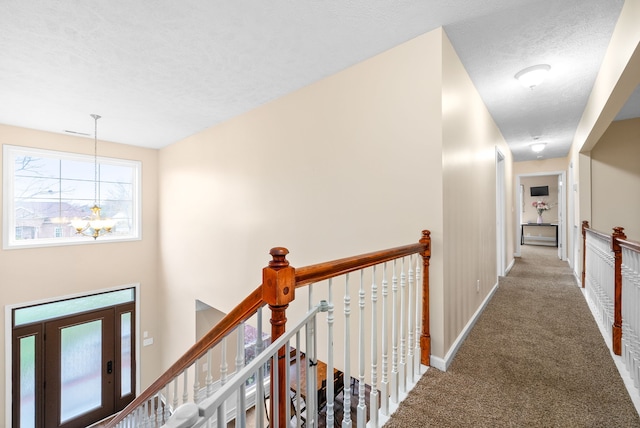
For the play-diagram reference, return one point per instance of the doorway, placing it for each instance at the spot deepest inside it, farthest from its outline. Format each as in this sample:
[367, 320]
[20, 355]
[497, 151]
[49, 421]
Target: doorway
[555, 218]
[72, 370]
[500, 214]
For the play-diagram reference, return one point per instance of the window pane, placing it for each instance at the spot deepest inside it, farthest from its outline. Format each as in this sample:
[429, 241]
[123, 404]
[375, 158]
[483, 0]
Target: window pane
[61, 308]
[36, 187]
[33, 166]
[78, 189]
[125, 354]
[27, 382]
[80, 369]
[78, 170]
[115, 174]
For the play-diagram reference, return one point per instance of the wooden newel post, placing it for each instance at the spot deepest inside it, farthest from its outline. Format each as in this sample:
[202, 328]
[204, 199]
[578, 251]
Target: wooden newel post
[425, 336]
[618, 233]
[585, 226]
[278, 290]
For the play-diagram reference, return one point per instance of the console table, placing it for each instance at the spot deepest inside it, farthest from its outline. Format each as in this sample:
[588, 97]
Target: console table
[523, 225]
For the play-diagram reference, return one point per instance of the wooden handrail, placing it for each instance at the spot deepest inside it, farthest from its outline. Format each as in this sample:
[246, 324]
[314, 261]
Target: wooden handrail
[602, 235]
[321, 271]
[237, 315]
[277, 290]
[630, 245]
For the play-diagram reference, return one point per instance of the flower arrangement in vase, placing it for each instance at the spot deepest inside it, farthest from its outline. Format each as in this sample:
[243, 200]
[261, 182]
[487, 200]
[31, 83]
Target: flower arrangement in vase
[540, 206]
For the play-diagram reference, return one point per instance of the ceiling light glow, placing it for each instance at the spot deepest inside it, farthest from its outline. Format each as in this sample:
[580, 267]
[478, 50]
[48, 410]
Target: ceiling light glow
[531, 77]
[538, 147]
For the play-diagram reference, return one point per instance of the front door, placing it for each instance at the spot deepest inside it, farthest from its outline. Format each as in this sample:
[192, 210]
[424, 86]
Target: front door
[75, 370]
[79, 369]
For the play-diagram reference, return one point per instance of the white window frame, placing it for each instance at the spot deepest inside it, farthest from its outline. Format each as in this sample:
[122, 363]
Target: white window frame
[9, 154]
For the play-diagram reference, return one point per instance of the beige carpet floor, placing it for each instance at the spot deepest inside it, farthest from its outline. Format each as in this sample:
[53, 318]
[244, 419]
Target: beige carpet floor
[535, 358]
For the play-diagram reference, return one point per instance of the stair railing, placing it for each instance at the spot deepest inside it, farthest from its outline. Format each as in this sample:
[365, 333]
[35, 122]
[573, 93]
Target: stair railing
[611, 278]
[630, 273]
[399, 329]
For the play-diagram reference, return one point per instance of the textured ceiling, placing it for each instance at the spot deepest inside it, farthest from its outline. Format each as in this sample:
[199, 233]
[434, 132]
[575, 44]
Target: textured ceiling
[159, 71]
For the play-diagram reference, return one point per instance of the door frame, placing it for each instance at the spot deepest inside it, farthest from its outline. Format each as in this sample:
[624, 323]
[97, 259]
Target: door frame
[500, 213]
[562, 218]
[8, 328]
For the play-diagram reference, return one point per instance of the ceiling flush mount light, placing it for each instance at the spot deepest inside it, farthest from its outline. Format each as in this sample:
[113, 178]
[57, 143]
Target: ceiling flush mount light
[538, 147]
[531, 77]
[95, 226]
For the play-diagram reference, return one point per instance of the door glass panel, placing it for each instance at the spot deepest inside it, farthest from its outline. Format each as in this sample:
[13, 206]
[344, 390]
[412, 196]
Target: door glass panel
[27, 382]
[125, 357]
[60, 308]
[80, 369]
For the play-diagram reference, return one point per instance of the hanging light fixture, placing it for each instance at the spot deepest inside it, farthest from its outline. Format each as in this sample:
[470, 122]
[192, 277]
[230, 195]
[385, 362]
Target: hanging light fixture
[531, 77]
[95, 226]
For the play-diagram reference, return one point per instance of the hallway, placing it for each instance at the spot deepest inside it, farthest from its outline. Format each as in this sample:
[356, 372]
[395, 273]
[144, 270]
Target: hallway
[534, 358]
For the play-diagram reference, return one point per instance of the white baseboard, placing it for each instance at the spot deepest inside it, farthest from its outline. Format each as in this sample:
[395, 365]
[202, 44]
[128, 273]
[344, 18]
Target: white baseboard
[508, 269]
[442, 364]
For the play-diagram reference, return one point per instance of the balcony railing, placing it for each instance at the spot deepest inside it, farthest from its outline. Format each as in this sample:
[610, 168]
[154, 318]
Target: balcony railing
[364, 355]
[611, 278]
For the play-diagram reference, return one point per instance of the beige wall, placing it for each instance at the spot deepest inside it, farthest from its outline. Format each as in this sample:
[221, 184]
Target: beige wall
[529, 214]
[470, 138]
[615, 171]
[347, 165]
[619, 75]
[28, 275]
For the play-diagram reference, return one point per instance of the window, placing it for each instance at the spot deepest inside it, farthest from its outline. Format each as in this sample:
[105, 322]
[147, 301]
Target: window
[44, 190]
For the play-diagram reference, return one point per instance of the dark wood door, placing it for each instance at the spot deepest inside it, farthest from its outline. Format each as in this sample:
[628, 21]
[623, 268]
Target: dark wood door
[80, 373]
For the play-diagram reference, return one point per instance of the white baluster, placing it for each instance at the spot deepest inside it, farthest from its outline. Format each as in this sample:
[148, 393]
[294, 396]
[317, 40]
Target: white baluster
[208, 381]
[166, 413]
[373, 395]
[159, 406]
[145, 414]
[362, 408]
[241, 404]
[418, 353]
[330, 378]
[402, 366]
[260, 396]
[395, 382]
[185, 386]
[384, 384]
[346, 420]
[196, 381]
[224, 369]
[298, 381]
[410, 305]
[175, 393]
[311, 372]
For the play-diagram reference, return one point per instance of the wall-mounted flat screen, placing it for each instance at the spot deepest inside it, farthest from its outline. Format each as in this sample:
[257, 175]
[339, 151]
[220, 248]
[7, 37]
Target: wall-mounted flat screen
[539, 190]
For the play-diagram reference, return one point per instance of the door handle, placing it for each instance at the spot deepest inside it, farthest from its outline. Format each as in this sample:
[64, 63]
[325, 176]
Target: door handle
[109, 367]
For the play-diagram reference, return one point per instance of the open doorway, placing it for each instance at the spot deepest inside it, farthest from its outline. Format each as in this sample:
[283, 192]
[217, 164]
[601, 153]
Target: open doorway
[541, 214]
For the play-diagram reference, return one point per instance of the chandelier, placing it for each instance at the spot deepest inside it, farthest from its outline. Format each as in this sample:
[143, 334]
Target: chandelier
[95, 226]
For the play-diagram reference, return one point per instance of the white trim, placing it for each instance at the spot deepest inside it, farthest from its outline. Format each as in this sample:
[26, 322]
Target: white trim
[8, 327]
[562, 220]
[500, 213]
[443, 364]
[513, 262]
